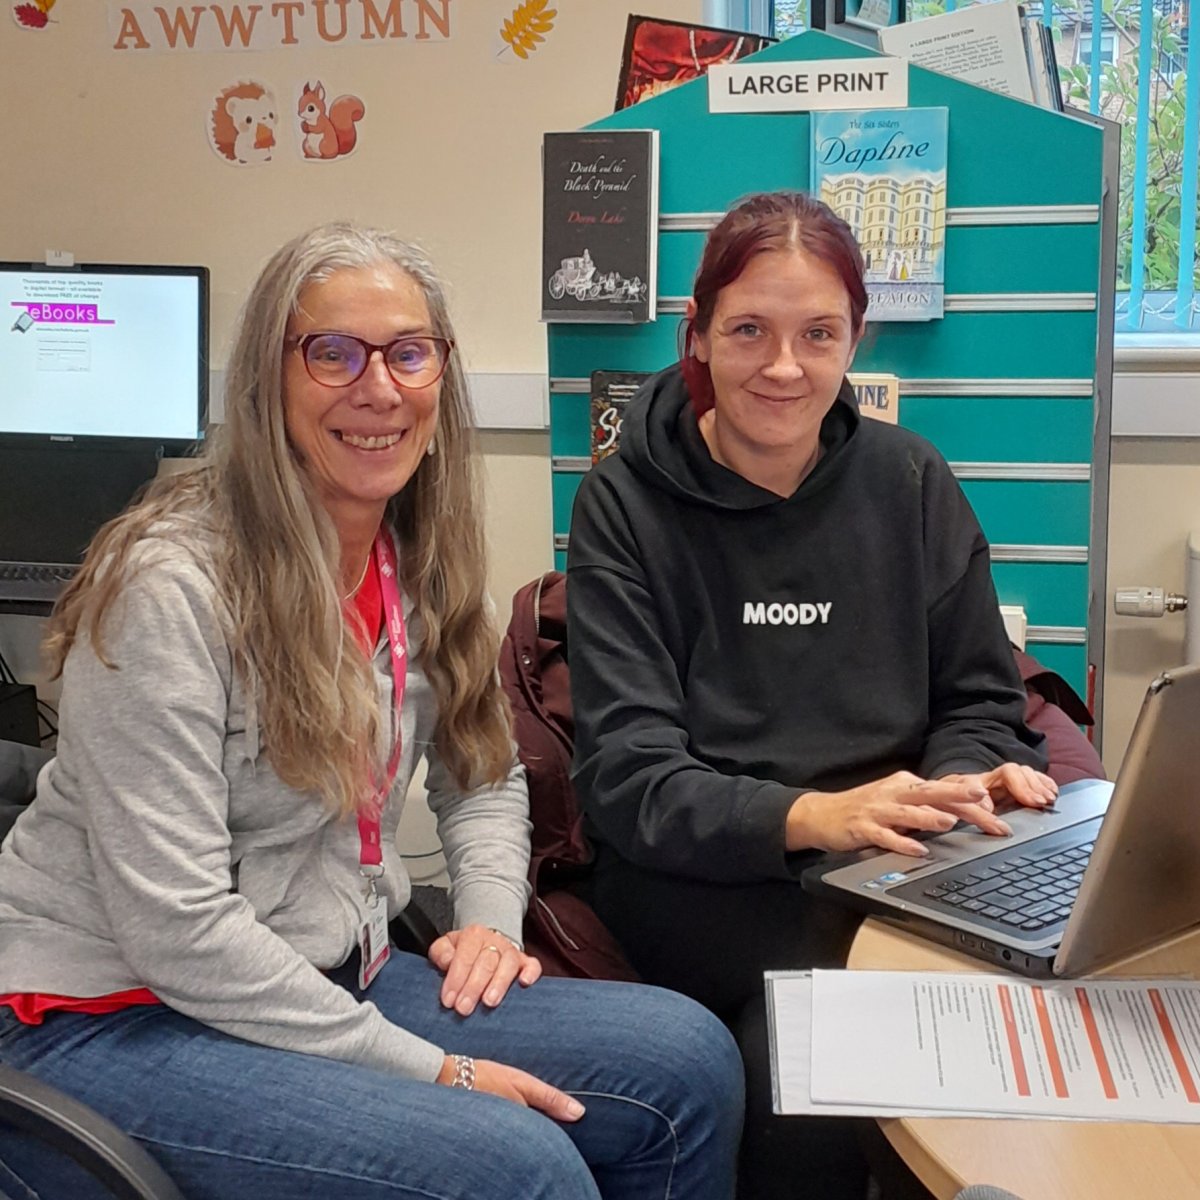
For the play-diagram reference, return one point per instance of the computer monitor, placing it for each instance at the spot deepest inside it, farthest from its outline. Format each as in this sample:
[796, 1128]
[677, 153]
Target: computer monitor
[103, 351]
[103, 370]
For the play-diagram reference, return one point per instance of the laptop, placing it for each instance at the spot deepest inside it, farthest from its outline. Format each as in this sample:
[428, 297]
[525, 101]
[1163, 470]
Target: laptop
[1109, 870]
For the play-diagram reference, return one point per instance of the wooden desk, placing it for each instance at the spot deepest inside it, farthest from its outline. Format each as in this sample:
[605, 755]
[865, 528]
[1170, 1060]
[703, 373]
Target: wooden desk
[1039, 1160]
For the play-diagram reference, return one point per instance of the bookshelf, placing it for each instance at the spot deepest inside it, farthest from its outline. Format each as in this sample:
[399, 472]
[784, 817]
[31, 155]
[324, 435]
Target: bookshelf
[1013, 384]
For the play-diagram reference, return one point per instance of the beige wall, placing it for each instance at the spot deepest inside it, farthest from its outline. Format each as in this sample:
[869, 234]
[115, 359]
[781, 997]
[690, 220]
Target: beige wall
[1155, 503]
[518, 511]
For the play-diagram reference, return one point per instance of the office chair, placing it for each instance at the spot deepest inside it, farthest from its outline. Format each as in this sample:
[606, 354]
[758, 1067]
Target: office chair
[70, 1127]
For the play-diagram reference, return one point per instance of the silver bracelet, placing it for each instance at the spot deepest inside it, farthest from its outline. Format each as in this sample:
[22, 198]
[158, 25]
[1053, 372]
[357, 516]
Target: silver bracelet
[464, 1072]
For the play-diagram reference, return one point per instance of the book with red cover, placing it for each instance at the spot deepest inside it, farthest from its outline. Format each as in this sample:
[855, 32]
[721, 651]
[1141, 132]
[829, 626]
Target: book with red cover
[611, 392]
[660, 54]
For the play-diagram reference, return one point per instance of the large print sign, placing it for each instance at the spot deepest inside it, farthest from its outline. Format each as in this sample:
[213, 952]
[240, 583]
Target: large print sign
[274, 24]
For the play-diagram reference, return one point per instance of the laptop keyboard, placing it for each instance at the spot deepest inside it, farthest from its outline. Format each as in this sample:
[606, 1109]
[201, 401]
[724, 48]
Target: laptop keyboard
[1030, 892]
[39, 583]
[35, 573]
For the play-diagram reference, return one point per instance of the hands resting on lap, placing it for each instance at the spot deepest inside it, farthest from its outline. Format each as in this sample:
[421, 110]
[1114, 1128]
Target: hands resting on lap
[481, 964]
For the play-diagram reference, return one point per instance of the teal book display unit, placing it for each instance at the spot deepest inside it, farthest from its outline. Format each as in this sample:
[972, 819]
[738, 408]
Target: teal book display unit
[1012, 384]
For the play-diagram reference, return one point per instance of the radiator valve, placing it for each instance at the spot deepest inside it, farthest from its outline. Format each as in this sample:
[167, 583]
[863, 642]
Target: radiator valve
[1147, 602]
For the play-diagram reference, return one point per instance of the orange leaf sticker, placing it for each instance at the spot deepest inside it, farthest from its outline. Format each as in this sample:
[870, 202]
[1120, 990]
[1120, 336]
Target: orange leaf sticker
[524, 29]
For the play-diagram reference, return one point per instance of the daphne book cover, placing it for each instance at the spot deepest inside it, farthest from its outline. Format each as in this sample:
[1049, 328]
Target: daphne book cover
[884, 172]
[600, 225]
[610, 395]
[660, 55]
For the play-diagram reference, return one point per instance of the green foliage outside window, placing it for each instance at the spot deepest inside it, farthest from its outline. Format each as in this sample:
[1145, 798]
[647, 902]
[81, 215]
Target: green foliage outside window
[1118, 101]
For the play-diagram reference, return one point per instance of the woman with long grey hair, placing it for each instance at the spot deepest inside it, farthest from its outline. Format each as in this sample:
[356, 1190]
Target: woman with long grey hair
[194, 910]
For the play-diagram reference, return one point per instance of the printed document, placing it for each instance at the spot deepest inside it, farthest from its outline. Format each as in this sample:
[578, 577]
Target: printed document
[789, 1014]
[981, 44]
[928, 1043]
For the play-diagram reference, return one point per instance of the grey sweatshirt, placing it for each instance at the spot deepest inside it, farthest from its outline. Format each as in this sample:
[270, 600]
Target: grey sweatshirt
[162, 850]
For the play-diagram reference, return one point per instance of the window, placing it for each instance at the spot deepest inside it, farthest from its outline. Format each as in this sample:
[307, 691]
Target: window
[1085, 44]
[1131, 64]
[1136, 62]
[791, 16]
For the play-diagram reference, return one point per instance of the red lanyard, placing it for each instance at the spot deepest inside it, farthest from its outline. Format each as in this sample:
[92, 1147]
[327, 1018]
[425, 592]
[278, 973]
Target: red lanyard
[370, 857]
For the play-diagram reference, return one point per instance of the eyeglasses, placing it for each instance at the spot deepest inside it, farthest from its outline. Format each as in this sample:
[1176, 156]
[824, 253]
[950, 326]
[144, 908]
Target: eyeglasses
[339, 359]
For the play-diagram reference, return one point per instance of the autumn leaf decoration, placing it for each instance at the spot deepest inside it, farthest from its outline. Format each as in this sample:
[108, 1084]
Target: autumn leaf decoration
[34, 14]
[524, 29]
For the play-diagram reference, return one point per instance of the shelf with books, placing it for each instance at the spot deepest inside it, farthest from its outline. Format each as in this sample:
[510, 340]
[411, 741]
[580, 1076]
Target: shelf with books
[1008, 382]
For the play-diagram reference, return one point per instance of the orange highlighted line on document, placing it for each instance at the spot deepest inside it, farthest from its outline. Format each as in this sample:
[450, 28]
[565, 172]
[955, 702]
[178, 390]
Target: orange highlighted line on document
[1095, 1042]
[1168, 1032]
[1014, 1040]
[1052, 1058]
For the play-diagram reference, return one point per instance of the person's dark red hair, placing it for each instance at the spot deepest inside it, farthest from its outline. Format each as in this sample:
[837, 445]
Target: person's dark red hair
[760, 223]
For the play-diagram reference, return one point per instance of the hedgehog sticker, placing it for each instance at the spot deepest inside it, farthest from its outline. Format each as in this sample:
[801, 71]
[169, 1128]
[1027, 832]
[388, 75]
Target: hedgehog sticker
[242, 124]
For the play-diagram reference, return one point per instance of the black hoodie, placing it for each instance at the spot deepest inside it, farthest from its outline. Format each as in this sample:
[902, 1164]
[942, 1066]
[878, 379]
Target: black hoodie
[730, 649]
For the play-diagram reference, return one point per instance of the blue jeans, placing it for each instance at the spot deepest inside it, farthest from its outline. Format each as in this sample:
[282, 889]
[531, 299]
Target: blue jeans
[661, 1080]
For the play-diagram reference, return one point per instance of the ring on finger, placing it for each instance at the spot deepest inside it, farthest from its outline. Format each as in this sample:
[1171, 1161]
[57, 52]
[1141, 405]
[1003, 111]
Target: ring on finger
[495, 948]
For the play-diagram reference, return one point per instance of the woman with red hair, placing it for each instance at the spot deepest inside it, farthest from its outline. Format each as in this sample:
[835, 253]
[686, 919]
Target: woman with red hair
[784, 640]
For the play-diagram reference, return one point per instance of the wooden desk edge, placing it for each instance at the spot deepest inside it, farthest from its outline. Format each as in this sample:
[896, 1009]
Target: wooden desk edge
[882, 947]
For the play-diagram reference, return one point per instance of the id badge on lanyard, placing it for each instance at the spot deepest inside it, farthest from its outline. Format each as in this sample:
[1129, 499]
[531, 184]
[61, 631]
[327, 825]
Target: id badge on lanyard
[373, 944]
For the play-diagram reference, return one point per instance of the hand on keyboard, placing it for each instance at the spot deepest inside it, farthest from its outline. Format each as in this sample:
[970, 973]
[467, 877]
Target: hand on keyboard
[1013, 785]
[884, 813]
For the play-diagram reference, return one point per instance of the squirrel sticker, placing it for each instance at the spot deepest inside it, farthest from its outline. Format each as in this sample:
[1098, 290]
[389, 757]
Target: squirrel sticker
[242, 123]
[327, 131]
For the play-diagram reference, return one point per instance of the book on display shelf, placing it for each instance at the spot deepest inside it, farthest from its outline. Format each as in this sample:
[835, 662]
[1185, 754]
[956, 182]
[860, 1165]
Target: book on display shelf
[878, 395]
[996, 46]
[1043, 63]
[883, 171]
[600, 225]
[660, 55]
[611, 392]
[877, 13]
